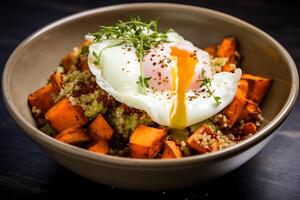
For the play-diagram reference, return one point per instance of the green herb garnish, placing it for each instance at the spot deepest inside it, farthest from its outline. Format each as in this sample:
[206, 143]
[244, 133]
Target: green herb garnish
[143, 83]
[84, 50]
[140, 34]
[97, 58]
[206, 82]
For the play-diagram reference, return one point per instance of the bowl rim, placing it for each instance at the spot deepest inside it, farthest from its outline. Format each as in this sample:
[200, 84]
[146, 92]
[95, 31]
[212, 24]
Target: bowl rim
[83, 154]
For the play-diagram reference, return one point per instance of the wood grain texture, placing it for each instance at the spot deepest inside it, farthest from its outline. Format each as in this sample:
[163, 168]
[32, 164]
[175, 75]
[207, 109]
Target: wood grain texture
[27, 173]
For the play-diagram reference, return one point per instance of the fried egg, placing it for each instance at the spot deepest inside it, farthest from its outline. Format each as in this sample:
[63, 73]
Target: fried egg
[177, 70]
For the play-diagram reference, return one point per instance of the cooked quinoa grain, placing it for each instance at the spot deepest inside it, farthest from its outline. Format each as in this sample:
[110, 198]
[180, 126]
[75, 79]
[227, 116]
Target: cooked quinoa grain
[84, 95]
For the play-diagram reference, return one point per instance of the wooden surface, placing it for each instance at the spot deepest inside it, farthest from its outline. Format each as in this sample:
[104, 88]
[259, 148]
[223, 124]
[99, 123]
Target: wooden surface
[27, 172]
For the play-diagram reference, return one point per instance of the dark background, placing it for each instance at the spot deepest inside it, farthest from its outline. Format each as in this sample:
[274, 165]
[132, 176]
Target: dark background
[27, 172]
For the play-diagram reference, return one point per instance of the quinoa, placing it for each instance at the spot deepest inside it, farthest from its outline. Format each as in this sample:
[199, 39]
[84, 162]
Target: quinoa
[81, 89]
[217, 63]
[79, 86]
[125, 122]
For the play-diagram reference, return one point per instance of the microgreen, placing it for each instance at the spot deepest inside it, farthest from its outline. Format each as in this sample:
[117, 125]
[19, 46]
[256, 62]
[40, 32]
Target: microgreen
[140, 34]
[206, 82]
[96, 58]
[143, 83]
[84, 50]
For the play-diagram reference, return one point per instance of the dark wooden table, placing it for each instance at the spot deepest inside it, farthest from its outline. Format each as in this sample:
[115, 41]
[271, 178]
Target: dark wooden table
[27, 172]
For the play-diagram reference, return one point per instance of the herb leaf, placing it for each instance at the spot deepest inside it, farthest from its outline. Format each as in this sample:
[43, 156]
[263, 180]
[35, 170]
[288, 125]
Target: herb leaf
[206, 82]
[142, 35]
[143, 83]
[96, 58]
[84, 50]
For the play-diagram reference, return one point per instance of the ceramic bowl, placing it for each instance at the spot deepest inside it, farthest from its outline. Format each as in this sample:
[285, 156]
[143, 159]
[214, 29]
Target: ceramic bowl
[37, 56]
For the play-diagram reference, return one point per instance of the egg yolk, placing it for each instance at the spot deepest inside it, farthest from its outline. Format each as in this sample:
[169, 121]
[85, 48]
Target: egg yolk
[181, 79]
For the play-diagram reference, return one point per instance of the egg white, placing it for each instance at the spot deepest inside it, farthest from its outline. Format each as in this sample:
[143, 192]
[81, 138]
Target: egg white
[118, 73]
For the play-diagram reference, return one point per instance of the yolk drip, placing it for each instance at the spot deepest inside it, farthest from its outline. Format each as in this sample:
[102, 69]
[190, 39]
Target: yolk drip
[183, 74]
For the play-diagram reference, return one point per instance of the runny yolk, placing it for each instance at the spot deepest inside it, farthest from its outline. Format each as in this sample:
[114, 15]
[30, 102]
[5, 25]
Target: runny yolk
[183, 75]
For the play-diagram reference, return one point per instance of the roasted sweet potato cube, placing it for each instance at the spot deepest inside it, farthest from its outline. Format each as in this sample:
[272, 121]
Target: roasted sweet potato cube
[73, 135]
[64, 115]
[234, 110]
[171, 150]
[42, 98]
[100, 146]
[100, 128]
[195, 140]
[86, 43]
[212, 50]
[70, 59]
[228, 68]
[56, 81]
[146, 142]
[250, 111]
[249, 128]
[227, 49]
[82, 63]
[215, 146]
[258, 87]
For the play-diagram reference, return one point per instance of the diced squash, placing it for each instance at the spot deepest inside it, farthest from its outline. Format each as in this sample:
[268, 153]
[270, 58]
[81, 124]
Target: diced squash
[228, 68]
[64, 115]
[73, 135]
[100, 128]
[227, 49]
[212, 50]
[234, 110]
[42, 98]
[171, 150]
[146, 142]
[249, 128]
[194, 141]
[215, 146]
[100, 146]
[70, 59]
[243, 86]
[82, 63]
[56, 81]
[258, 87]
[86, 43]
[250, 111]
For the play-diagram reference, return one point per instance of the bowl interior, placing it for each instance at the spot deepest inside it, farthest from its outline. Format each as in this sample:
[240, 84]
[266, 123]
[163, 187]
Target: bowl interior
[39, 56]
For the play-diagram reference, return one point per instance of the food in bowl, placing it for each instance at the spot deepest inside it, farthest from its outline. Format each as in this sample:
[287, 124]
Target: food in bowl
[132, 91]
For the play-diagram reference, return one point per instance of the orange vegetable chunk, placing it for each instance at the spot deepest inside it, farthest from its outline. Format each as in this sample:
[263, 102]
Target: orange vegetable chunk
[42, 98]
[258, 87]
[212, 50]
[171, 150]
[194, 141]
[73, 135]
[249, 128]
[227, 49]
[64, 115]
[250, 111]
[100, 128]
[56, 81]
[70, 59]
[234, 110]
[100, 146]
[146, 142]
